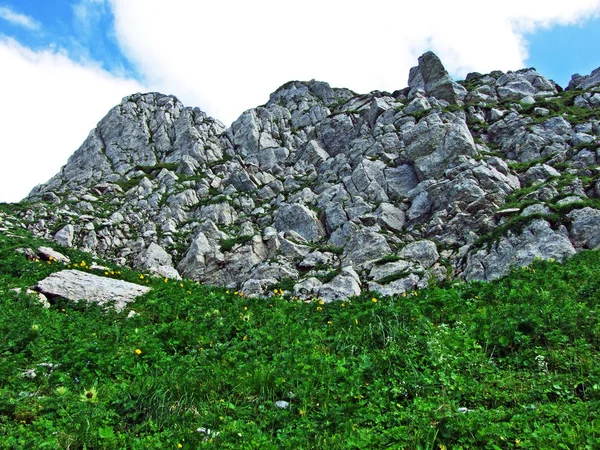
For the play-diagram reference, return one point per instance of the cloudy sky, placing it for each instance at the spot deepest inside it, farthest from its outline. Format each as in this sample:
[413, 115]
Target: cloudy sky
[65, 63]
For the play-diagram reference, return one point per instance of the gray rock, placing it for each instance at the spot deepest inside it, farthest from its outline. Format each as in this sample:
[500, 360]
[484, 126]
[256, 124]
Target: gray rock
[537, 240]
[408, 283]
[365, 245]
[431, 77]
[391, 217]
[424, 252]
[536, 209]
[417, 106]
[65, 236]
[379, 271]
[48, 254]
[585, 228]
[399, 181]
[335, 216]
[300, 219]
[156, 260]
[538, 174]
[344, 285]
[586, 81]
[433, 145]
[307, 288]
[81, 286]
[200, 254]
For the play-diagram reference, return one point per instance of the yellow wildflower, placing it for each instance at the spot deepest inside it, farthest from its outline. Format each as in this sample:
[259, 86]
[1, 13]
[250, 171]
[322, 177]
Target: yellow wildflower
[179, 446]
[138, 351]
[374, 300]
[245, 338]
[329, 322]
[356, 321]
[166, 280]
[319, 308]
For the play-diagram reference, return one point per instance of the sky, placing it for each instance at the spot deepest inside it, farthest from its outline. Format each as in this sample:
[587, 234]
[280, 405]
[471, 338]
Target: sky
[65, 63]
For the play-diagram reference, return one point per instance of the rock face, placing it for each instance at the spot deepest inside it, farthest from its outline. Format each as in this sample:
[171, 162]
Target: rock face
[76, 285]
[431, 78]
[335, 191]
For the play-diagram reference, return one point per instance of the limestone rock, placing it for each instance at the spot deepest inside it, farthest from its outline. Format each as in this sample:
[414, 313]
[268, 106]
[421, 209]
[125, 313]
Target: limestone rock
[365, 245]
[48, 254]
[65, 236]
[156, 260]
[537, 240]
[586, 81]
[81, 286]
[431, 77]
[585, 228]
[300, 219]
[344, 285]
[424, 252]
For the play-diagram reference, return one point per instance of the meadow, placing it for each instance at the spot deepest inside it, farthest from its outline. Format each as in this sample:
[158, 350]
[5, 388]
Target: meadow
[501, 365]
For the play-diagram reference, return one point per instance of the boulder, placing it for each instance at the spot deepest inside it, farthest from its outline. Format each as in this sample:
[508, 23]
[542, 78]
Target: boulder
[585, 228]
[365, 245]
[298, 218]
[424, 252]
[81, 286]
[65, 236]
[585, 81]
[536, 240]
[344, 285]
[48, 254]
[431, 77]
[432, 145]
[153, 259]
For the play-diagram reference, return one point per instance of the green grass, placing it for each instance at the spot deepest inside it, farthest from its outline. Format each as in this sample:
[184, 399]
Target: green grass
[228, 244]
[519, 355]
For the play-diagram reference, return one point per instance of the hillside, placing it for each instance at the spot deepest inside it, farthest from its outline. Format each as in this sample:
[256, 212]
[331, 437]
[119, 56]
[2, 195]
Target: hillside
[330, 193]
[504, 364]
[415, 269]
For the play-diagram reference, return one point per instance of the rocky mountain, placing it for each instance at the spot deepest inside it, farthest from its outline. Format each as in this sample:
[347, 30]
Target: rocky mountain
[325, 192]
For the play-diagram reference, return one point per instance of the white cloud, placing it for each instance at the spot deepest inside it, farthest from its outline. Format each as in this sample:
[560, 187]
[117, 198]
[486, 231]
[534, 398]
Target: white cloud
[228, 56]
[18, 19]
[49, 105]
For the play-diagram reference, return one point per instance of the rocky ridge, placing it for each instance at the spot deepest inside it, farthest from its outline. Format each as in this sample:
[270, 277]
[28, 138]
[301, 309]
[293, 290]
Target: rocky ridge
[328, 193]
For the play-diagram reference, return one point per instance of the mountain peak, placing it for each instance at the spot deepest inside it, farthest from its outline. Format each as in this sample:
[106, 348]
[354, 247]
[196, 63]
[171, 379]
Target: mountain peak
[335, 192]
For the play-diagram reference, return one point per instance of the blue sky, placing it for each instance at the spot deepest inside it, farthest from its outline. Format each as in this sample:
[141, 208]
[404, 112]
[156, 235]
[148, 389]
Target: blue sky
[562, 51]
[84, 29]
[65, 63]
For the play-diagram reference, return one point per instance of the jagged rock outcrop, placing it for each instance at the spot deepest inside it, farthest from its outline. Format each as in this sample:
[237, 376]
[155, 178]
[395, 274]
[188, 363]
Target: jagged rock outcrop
[335, 191]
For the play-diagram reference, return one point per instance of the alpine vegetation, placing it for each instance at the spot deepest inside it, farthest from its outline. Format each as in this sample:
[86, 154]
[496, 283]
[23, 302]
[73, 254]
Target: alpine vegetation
[415, 269]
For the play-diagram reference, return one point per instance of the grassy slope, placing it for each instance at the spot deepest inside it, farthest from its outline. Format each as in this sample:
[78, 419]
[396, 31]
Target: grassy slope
[519, 354]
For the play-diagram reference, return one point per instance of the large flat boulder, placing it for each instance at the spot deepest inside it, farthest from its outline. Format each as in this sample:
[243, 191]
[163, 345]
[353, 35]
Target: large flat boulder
[76, 285]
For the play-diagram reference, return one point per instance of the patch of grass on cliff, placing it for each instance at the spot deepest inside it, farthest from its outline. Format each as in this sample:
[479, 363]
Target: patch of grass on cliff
[228, 244]
[508, 364]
